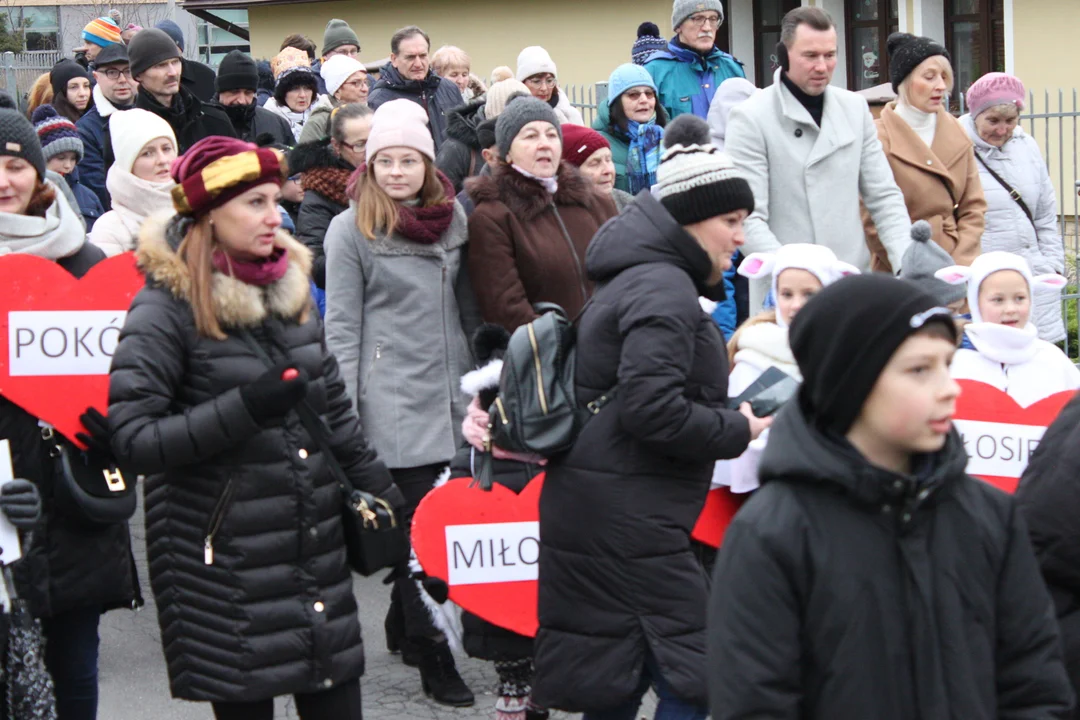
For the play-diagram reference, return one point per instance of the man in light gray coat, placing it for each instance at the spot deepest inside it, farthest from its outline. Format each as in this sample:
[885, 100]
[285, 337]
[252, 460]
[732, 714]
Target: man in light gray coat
[810, 151]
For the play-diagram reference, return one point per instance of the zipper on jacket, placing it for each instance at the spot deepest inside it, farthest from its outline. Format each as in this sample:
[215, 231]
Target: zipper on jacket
[371, 370]
[216, 519]
[502, 412]
[539, 369]
[573, 252]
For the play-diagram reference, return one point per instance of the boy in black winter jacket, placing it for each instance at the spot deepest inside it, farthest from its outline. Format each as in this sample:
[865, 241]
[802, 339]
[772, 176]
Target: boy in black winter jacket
[870, 576]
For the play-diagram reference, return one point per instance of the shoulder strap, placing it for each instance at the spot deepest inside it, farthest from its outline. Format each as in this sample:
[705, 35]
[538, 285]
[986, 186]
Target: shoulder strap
[952, 196]
[1013, 193]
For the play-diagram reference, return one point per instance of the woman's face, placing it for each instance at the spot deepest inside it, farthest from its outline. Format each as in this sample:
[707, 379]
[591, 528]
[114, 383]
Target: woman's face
[154, 160]
[400, 171]
[600, 169]
[458, 75]
[537, 149]
[299, 99]
[639, 104]
[1005, 299]
[996, 125]
[794, 287]
[928, 84]
[541, 86]
[63, 163]
[356, 135]
[78, 93]
[17, 181]
[353, 90]
[245, 226]
[720, 237]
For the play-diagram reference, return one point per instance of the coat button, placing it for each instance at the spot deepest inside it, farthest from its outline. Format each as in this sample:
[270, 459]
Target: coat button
[929, 162]
[319, 607]
[313, 532]
[798, 132]
[899, 484]
[327, 683]
[302, 453]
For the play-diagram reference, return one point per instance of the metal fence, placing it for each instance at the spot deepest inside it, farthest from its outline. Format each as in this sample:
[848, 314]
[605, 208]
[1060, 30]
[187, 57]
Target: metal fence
[586, 98]
[20, 70]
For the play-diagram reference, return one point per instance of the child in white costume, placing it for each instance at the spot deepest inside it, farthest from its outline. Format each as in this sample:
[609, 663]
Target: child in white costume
[798, 272]
[1008, 353]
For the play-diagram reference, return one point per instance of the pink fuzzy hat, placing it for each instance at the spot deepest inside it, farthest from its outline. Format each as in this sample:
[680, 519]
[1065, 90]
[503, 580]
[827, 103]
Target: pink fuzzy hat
[400, 123]
[992, 89]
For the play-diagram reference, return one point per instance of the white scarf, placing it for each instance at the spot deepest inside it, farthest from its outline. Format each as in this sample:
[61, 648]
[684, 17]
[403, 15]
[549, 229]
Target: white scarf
[1004, 344]
[58, 235]
[766, 345]
[296, 120]
[550, 184]
[135, 199]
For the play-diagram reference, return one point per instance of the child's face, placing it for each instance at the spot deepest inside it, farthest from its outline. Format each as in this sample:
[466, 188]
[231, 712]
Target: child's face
[1005, 299]
[911, 406]
[793, 288]
[63, 163]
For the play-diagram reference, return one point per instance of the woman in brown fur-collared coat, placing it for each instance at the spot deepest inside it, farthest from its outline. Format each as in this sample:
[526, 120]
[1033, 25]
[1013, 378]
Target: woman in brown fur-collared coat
[929, 152]
[243, 515]
[534, 217]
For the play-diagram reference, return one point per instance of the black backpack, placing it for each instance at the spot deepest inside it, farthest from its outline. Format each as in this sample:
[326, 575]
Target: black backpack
[537, 410]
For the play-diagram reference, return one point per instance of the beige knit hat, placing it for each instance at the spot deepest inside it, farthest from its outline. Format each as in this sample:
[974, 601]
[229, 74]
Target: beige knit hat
[499, 94]
[287, 59]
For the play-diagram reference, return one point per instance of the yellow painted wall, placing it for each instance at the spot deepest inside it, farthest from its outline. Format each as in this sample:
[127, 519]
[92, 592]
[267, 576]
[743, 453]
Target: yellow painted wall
[586, 38]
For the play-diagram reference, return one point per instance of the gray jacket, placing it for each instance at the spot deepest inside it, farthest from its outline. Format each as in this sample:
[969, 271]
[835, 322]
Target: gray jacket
[399, 315]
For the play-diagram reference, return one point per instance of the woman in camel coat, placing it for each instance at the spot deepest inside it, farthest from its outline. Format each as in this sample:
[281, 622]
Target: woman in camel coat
[930, 152]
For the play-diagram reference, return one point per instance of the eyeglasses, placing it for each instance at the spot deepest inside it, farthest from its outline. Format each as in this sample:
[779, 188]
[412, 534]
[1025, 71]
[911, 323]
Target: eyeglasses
[114, 74]
[700, 20]
[356, 84]
[636, 93]
[357, 147]
[538, 81]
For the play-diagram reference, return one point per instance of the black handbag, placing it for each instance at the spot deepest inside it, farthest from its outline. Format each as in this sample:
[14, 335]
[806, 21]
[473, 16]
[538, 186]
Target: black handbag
[85, 491]
[374, 539]
[30, 691]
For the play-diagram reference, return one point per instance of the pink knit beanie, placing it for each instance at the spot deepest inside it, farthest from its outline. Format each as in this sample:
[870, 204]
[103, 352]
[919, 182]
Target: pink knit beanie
[992, 89]
[400, 123]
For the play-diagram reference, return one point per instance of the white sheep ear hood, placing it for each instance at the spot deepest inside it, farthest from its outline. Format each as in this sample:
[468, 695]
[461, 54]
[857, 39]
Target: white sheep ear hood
[986, 265]
[818, 260]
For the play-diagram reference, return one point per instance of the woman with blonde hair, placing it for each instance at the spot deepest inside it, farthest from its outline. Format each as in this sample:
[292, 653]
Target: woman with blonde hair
[41, 93]
[399, 312]
[220, 354]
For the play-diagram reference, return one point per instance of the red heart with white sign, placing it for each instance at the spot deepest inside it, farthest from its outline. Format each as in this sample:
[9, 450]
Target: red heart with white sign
[61, 332]
[485, 545]
[999, 434]
[720, 507]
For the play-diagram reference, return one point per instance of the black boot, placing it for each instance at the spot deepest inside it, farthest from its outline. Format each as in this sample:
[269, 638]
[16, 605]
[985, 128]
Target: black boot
[439, 676]
[396, 642]
[532, 713]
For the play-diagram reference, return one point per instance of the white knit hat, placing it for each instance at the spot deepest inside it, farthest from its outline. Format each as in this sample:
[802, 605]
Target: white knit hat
[534, 60]
[131, 130]
[337, 70]
[986, 265]
[818, 260]
[499, 94]
[400, 123]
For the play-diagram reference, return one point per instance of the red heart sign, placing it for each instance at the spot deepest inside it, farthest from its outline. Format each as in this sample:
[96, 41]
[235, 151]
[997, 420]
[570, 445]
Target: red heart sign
[999, 434]
[720, 507]
[61, 333]
[485, 545]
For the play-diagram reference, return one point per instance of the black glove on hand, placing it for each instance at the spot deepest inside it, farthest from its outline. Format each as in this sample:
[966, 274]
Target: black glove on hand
[21, 502]
[98, 438]
[269, 396]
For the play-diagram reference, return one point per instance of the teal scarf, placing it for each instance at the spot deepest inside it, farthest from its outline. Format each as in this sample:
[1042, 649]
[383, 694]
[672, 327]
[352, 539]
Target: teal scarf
[643, 155]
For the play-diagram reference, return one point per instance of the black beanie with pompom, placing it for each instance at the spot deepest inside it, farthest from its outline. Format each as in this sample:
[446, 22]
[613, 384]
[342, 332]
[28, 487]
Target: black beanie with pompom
[648, 42]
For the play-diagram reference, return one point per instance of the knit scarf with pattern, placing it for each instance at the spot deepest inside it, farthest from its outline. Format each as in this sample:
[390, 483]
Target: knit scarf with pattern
[330, 182]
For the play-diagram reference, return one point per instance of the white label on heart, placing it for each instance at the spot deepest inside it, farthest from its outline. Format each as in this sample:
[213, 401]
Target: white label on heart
[62, 342]
[492, 552]
[998, 449]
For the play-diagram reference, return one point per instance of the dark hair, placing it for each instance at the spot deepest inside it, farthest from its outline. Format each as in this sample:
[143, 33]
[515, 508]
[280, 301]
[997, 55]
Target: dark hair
[298, 41]
[619, 121]
[404, 34]
[946, 329]
[66, 109]
[343, 114]
[816, 18]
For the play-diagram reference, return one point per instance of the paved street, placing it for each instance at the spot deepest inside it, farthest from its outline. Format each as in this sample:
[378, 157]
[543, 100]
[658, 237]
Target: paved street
[134, 685]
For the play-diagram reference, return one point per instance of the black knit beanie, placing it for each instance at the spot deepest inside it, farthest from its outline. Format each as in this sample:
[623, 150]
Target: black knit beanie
[906, 52]
[485, 133]
[237, 71]
[148, 48]
[63, 71]
[18, 139]
[844, 337]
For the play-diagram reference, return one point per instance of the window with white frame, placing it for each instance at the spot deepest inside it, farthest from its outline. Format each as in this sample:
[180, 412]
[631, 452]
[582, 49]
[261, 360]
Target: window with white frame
[215, 43]
[40, 26]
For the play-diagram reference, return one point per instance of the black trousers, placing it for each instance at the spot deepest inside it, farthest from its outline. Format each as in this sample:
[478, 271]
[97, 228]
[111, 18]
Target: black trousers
[405, 601]
[339, 703]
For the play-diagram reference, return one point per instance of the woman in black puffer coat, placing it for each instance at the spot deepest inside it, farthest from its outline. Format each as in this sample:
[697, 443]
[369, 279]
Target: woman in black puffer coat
[243, 529]
[622, 598]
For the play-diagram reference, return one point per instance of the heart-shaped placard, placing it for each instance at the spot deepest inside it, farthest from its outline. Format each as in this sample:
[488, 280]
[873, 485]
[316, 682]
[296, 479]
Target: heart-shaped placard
[999, 434]
[720, 507]
[61, 333]
[486, 546]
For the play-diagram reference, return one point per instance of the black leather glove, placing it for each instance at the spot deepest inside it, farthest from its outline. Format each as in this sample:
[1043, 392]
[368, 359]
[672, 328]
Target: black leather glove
[271, 397]
[21, 502]
[98, 435]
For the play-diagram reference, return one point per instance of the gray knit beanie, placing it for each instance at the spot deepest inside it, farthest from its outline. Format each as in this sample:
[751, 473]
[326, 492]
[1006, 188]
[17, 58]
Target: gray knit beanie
[18, 139]
[922, 259]
[148, 48]
[519, 112]
[683, 9]
[338, 33]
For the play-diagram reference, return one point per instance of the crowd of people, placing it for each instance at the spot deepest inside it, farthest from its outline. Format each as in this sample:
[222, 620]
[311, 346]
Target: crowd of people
[358, 244]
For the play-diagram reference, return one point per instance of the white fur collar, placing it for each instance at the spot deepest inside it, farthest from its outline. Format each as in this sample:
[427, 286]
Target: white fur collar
[482, 378]
[766, 344]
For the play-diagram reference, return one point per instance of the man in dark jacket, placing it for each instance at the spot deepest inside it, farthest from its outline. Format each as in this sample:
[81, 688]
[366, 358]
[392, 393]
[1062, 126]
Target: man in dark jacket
[409, 76]
[196, 77]
[237, 82]
[870, 576]
[156, 66]
[114, 90]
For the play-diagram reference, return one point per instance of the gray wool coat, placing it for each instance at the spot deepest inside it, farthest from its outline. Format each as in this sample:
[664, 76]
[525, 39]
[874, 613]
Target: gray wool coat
[399, 315]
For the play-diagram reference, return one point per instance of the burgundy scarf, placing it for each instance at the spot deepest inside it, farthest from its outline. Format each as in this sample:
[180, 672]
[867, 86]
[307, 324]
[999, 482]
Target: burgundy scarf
[261, 272]
[422, 225]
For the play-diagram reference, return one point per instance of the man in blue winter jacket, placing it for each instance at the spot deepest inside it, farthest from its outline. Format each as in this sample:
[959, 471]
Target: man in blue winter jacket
[114, 90]
[689, 71]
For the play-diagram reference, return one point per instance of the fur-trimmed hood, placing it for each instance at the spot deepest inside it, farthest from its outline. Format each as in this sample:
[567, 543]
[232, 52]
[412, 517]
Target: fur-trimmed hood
[461, 123]
[524, 197]
[236, 304]
[319, 154]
